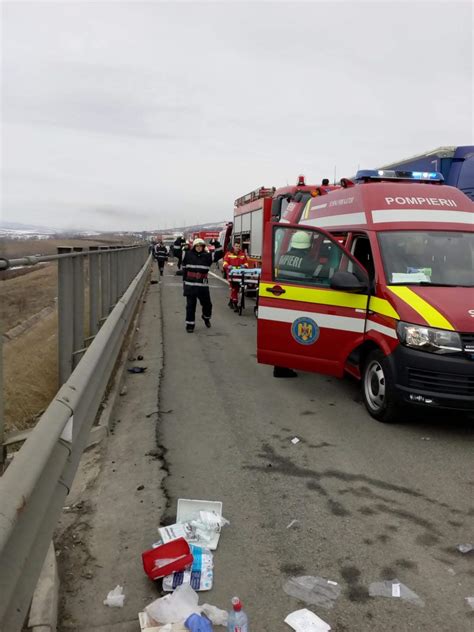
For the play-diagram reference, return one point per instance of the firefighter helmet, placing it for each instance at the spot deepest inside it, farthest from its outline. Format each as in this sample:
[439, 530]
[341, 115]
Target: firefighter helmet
[301, 240]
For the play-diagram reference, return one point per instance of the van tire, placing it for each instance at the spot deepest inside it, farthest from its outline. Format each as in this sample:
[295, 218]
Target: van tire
[378, 388]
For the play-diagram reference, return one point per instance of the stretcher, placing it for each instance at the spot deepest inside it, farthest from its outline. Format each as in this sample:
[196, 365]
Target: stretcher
[247, 280]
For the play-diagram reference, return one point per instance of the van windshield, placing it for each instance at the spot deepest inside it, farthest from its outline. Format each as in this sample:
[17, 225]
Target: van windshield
[428, 258]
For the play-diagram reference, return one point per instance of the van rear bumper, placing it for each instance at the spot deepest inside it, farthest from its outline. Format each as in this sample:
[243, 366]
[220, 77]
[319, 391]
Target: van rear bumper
[433, 380]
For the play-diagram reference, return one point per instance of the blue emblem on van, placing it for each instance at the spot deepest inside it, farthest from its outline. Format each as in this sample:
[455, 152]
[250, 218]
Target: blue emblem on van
[305, 331]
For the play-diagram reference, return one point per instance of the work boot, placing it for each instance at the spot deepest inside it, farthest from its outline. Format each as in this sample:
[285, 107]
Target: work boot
[236, 307]
[281, 371]
[190, 329]
[207, 322]
[231, 304]
[161, 272]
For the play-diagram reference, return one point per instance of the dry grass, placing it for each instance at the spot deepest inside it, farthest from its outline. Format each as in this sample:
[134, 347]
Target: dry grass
[30, 374]
[16, 248]
[24, 296]
[30, 360]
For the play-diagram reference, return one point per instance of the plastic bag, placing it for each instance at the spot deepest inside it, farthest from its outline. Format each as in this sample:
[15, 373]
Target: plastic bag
[313, 590]
[216, 615]
[196, 623]
[175, 608]
[115, 598]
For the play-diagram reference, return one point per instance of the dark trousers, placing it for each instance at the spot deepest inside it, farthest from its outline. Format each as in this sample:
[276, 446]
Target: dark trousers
[204, 297]
[179, 258]
[161, 265]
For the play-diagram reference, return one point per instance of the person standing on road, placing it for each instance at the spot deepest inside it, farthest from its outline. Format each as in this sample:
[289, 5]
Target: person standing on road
[178, 250]
[235, 258]
[160, 252]
[196, 264]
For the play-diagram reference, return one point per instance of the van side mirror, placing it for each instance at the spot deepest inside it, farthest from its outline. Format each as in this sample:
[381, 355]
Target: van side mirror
[348, 282]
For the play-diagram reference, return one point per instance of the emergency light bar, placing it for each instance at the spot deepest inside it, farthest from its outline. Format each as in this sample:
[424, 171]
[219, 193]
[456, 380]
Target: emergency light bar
[366, 175]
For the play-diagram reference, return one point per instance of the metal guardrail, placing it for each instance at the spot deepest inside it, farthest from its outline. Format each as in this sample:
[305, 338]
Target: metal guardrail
[102, 274]
[34, 487]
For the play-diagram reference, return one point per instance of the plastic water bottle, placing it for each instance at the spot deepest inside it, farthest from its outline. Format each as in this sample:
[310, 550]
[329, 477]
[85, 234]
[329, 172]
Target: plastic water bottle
[238, 621]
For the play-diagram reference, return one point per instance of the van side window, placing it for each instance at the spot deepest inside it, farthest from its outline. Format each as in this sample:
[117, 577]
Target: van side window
[306, 257]
[362, 251]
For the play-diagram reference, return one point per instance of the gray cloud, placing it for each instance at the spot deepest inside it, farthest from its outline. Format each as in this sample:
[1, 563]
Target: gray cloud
[165, 112]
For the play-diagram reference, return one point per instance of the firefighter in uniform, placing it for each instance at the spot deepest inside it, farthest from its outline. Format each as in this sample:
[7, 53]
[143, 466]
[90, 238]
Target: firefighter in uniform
[178, 250]
[298, 262]
[196, 263]
[160, 253]
[235, 258]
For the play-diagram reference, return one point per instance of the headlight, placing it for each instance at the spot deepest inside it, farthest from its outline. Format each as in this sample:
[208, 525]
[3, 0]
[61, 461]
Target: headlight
[429, 339]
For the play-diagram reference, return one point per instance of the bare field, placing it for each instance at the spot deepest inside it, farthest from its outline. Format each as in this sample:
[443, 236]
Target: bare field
[24, 296]
[30, 374]
[16, 248]
[30, 360]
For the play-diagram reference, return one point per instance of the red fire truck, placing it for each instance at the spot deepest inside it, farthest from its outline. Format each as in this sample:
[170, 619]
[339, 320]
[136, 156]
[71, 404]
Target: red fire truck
[207, 235]
[255, 209]
[375, 279]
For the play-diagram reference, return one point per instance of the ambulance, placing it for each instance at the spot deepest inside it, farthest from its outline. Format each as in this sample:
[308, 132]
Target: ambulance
[376, 279]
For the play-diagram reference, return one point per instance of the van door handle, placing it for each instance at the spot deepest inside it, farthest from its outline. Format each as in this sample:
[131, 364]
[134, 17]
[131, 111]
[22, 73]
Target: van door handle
[277, 290]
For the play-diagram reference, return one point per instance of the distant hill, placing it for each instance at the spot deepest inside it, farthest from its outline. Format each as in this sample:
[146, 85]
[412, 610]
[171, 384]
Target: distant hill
[15, 228]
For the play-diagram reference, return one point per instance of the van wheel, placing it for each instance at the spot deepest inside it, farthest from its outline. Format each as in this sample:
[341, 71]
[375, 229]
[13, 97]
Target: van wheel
[378, 388]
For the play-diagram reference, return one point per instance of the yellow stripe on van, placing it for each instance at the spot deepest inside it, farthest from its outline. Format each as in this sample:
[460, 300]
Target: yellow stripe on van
[329, 297]
[382, 306]
[427, 311]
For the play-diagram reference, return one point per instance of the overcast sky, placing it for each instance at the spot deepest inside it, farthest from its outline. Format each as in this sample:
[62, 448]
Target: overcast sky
[131, 115]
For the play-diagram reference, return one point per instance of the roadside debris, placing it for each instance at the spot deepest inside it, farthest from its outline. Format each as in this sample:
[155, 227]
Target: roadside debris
[198, 521]
[306, 621]
[182, 557]
[200, 575]
[164, 559]
[295, 440]
[137, 369]
[313, 590]
[140, 358]
[393, 588]
[470, 602]
[292, 523]
[123, 390]
[215, 615]
[115, 598]
[465, 548]
[176, 607]
[238, 620]
[196, 623]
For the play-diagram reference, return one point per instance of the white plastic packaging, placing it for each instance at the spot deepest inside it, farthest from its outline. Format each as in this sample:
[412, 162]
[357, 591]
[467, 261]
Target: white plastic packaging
[115, 598]
[176, 607]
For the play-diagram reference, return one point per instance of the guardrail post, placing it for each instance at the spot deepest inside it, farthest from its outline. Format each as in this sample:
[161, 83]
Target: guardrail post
[121, 272]
[93, 290]
[113, 279]
[104, 283]
[65, 315]
[3, 451]
[78, 306]
[130, 266]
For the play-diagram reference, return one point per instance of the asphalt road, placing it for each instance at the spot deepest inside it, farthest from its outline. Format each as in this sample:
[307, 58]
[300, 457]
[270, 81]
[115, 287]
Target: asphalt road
[372, 502]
